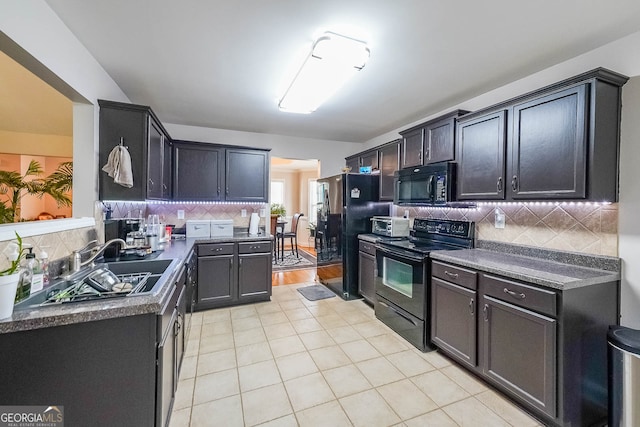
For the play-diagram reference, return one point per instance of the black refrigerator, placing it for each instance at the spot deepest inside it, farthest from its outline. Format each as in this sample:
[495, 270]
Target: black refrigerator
[347, 202]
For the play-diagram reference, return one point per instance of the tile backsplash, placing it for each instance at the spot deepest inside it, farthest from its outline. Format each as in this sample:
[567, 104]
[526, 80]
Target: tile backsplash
[169, 211]
[579, 227]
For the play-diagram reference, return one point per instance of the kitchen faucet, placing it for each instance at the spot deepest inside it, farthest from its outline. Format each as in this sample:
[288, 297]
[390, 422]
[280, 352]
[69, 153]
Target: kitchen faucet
[76, 260]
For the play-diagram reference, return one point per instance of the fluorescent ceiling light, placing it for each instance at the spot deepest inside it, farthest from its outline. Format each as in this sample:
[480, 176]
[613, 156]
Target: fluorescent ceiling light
[332, 61]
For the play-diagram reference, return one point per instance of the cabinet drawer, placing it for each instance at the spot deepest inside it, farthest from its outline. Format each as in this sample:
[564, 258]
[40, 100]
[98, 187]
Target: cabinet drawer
[367, 247]
[254, 247]
[516, 293]
[215, 249]
[458, 275]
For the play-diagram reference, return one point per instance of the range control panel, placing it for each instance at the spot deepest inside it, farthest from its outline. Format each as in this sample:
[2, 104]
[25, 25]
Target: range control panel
[444, 227]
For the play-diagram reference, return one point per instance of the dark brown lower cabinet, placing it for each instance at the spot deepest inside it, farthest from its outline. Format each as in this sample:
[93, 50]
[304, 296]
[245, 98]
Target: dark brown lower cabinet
[519, 352]
[544, 348]
[453, 323]
[367, 271]
[233, 273]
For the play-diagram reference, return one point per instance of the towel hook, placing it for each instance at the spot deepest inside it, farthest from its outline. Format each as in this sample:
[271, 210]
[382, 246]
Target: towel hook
[122, 143]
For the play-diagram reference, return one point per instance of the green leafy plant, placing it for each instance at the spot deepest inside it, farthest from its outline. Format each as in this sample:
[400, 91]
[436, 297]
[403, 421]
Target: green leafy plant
[14, 253]
[278, 209]
[14, 186]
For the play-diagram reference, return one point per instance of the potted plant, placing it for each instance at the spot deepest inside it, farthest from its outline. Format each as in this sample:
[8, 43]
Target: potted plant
[10, 276]
[278, 209]
[14, 186]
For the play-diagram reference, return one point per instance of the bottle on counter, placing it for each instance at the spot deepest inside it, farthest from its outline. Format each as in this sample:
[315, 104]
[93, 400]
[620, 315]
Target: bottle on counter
[24, 283]
[44, 266]
[37, 278]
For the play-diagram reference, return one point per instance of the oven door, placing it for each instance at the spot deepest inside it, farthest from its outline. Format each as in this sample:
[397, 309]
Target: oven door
[401, 279]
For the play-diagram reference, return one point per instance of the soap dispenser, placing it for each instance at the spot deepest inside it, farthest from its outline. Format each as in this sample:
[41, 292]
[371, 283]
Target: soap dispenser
[44, 267]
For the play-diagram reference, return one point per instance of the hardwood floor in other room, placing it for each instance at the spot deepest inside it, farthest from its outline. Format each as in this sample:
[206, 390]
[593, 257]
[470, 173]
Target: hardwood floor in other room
[291, 277]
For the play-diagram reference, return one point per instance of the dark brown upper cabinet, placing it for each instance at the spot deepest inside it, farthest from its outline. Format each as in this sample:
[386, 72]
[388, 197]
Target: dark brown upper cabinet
[366, 158]
[149, 147]
[549, 146]
[562, 143]
[481, 145]
[198, 173]
[388, 155]
[247, 175]
[430, 142]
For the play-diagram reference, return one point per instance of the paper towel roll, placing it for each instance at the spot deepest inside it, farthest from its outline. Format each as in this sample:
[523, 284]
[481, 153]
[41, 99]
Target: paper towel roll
[253, 224]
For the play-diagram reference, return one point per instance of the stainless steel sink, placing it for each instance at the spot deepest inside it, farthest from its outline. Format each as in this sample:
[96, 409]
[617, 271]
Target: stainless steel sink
[154, 266]
[144, 272]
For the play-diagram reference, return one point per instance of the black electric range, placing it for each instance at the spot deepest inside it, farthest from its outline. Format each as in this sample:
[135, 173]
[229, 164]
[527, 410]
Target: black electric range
[403, 275]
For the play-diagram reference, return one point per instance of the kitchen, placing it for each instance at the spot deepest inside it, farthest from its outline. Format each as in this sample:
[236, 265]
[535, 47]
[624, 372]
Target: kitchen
[57, 49]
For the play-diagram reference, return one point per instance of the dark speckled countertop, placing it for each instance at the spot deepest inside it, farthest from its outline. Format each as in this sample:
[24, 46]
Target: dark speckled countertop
[37, 317]
[554, 269]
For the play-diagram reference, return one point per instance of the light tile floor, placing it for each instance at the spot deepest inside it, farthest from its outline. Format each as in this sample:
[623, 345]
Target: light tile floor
[293, 362]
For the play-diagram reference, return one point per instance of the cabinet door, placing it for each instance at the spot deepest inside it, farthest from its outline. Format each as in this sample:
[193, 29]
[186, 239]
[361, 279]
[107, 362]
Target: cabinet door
[166, 168]
[367, 276]
[254, 277]
[247, 175]
[439, 141]
[131, 126]
[370, 158]
[353, 163]
[519, 352]
[548, 146]
[453, 320]
[198, 172]
[388, 158]
[481, 157]
[154, 161]
[412, 148]
[215, 280]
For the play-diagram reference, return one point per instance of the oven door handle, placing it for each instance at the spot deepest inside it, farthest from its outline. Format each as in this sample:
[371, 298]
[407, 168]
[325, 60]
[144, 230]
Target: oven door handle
[405, 254]
[398, 313]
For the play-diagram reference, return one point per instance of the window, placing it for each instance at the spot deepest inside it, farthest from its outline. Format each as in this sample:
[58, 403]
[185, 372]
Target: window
[277, 192]
[313, 201]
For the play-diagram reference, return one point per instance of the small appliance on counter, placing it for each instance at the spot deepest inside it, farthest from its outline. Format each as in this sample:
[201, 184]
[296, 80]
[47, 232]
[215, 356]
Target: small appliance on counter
[198, 228]
[221, 228]
[121, 229]
[390, 226]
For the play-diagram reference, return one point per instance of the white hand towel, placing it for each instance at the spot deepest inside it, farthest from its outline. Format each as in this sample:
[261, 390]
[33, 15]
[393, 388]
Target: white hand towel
[118, 166]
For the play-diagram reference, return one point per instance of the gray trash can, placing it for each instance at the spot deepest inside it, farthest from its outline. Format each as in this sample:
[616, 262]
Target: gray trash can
[624, 377]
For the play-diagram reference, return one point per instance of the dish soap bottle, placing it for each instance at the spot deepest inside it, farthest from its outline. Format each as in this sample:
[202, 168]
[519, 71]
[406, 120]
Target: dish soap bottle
[24, 283]
[36, 273]
[44, 267]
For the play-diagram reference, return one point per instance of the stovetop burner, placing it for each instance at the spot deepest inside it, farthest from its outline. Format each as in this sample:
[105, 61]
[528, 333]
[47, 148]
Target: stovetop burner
[433, 235]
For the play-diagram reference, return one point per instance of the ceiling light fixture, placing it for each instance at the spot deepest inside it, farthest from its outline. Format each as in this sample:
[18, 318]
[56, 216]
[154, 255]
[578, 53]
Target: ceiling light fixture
[332, 61]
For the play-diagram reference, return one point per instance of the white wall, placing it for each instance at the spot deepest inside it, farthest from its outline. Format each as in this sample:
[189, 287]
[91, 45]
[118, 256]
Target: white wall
[629, 207]
[38, 30]
[331, 154]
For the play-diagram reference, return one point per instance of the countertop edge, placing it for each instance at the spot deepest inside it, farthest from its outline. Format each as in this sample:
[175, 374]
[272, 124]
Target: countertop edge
[503, 270]
[177, 250]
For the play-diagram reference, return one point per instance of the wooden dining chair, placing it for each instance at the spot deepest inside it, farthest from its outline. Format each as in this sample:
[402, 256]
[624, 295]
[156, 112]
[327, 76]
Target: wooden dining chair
[293, 234]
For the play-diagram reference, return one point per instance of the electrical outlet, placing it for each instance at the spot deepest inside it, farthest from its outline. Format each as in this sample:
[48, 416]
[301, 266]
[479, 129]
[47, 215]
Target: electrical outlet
[180, 214]
[263, 212]
[243, 213]
[500, 218]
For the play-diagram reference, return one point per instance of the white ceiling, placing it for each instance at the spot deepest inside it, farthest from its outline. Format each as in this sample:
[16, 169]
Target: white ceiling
[222, 63]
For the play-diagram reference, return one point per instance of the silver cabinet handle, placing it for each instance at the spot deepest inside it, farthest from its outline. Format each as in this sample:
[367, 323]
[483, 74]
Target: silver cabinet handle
[514, 183]
[471, 307]
[514, 294]
[485, 312]
[499, 184]
[453, 275]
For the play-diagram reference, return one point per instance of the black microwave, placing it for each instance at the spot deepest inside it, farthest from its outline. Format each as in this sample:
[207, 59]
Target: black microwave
[430, 185]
